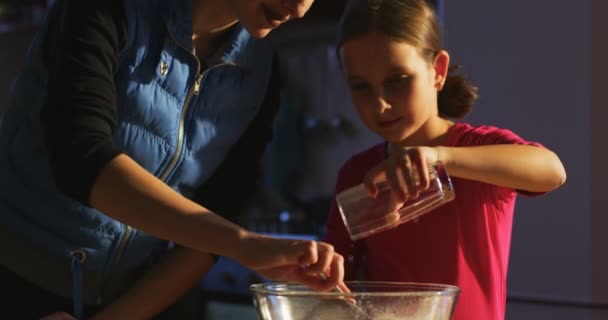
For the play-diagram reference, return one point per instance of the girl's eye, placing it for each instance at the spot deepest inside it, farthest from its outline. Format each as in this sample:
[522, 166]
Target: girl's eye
[397, 81]
[359, 86]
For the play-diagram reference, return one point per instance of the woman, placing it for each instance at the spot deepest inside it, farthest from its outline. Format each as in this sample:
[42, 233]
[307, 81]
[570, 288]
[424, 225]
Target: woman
[125, 113]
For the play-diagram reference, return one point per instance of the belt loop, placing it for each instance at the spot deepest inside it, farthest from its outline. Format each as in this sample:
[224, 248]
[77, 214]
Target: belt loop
[78, 257]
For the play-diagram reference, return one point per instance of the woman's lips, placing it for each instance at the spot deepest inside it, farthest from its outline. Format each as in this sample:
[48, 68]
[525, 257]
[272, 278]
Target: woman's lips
[388, 123]
[274, 19]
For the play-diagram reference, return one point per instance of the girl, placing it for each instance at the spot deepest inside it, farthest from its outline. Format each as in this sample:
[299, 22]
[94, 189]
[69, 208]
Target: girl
[131, 124]
[404, 90]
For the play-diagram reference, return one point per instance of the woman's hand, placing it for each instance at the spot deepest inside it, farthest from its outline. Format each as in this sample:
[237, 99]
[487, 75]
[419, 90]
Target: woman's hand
[301, 261]
[406, 171]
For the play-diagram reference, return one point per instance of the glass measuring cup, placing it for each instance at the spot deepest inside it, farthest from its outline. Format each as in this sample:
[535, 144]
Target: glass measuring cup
[365, 215]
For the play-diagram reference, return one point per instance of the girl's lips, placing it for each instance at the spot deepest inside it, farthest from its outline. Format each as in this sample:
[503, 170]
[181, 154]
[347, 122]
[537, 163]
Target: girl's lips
[388, 123]
[274, 19]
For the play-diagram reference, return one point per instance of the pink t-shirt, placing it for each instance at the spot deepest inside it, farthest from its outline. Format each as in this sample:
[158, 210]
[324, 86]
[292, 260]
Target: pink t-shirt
[464, 243]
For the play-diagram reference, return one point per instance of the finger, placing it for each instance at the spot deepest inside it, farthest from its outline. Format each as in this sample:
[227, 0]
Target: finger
[331, 278]
[302, 276]
[307, 251]
[425, 179]
[325, 253]
[392, 217]
[347, 293]
[398, 192]
[336, 275]
[406, 169]
[312, 281]
[420, 172]
[343, 288]
[371, 178]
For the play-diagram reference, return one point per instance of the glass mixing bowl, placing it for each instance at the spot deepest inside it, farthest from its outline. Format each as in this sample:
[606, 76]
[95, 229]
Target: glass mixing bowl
[368, 300]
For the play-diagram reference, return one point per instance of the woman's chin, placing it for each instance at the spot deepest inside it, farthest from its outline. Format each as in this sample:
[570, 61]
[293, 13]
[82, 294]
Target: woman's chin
[260, 33]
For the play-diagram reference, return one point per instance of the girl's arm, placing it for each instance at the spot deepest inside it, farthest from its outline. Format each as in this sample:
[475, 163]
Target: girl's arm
[517, 166]
[164, 284]
[521, 167]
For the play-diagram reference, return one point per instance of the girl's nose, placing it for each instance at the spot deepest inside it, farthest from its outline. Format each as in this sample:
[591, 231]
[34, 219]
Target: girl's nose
[380, 104]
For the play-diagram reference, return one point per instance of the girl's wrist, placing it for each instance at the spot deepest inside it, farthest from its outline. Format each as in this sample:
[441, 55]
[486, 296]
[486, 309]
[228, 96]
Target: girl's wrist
[443, 155]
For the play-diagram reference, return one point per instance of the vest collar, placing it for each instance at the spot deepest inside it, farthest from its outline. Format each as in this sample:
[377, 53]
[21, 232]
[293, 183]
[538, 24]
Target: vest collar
[177, 15]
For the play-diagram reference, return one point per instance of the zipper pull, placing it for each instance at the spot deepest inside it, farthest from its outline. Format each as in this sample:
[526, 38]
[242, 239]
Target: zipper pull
[197, 83]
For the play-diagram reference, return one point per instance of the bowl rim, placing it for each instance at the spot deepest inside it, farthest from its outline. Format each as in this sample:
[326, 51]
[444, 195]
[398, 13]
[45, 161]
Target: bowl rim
[425, 289]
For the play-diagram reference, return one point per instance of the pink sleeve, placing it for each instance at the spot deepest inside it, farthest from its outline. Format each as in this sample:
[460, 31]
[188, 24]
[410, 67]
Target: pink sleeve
[485, 135]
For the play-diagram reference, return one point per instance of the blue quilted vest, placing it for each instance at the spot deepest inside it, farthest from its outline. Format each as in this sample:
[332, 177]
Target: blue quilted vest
[175, 120]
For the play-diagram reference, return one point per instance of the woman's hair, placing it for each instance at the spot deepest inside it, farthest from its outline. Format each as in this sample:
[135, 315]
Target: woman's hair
[413, 22]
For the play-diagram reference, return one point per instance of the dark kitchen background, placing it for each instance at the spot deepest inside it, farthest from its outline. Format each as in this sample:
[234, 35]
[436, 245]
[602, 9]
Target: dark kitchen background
[540, 66]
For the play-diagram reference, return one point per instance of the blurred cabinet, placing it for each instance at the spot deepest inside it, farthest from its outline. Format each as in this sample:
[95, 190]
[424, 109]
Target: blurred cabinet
[21, 14]
[19, 20]
[317, 128]
[314, 86]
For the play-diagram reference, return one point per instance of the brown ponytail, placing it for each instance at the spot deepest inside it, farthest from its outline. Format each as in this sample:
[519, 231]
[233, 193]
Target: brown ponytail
[456, 98]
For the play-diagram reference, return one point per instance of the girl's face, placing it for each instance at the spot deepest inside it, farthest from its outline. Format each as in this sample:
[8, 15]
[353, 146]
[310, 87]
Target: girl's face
[260, 17]
[392, 86]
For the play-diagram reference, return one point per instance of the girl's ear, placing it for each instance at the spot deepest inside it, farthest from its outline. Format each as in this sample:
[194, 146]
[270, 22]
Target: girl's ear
[441, 65]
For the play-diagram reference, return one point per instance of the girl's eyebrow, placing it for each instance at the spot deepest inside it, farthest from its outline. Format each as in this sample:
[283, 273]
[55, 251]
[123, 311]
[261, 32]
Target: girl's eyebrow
[399, 69]
[354, 78]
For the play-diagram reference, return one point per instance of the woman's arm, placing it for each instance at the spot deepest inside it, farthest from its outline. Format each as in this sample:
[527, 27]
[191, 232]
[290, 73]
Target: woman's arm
[164, 284]
[132, 195]
[79, 117]
[521, 167]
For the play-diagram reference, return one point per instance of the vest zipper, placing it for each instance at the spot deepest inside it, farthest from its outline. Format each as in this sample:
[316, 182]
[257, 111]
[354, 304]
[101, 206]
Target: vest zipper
[120, 249]
[195, 90]
[121, 245]
[180, 131]
[197, 84]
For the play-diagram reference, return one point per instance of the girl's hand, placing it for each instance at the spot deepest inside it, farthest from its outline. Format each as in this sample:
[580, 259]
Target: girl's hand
[406, 171]
[300, 261]
[58, 316]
